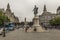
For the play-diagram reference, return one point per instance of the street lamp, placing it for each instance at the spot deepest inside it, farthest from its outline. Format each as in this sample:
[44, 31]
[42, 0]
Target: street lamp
[4, 30]
[4, 27]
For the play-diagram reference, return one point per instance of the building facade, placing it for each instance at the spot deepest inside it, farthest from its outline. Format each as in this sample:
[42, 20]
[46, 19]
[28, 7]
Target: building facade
[46, 16]
[11, 15]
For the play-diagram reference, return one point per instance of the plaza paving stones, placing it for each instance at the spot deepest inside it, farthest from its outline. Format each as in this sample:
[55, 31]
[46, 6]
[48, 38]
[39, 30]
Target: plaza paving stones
[19, 34]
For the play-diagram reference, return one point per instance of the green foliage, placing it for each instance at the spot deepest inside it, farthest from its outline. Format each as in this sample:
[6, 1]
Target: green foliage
[55, 21]
[3, 18]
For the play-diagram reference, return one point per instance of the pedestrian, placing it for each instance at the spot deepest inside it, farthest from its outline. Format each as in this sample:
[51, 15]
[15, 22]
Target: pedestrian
[26, 29]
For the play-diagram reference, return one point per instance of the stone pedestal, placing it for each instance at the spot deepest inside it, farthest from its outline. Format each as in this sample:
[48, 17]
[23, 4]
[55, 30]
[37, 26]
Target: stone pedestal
[36, 26]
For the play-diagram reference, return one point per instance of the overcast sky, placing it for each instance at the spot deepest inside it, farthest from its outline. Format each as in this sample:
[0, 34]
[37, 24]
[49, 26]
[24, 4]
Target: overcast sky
[23, 8]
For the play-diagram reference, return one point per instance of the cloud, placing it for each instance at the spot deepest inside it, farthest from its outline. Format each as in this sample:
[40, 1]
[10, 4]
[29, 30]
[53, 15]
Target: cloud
[23, 8]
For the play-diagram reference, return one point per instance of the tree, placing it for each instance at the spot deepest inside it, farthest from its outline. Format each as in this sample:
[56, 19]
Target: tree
[3, 18]
[22, 23]
[30, 23]
[55, 21]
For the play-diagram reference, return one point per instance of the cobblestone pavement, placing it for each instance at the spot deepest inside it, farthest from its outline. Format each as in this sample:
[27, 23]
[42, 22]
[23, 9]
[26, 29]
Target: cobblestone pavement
[21, 35]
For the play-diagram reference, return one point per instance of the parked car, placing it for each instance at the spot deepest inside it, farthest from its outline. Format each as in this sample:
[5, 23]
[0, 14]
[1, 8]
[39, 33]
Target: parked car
[10, 27]
[1, 31]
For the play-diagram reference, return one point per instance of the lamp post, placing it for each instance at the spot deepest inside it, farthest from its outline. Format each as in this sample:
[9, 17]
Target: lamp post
[4, 27]
[4, 30]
